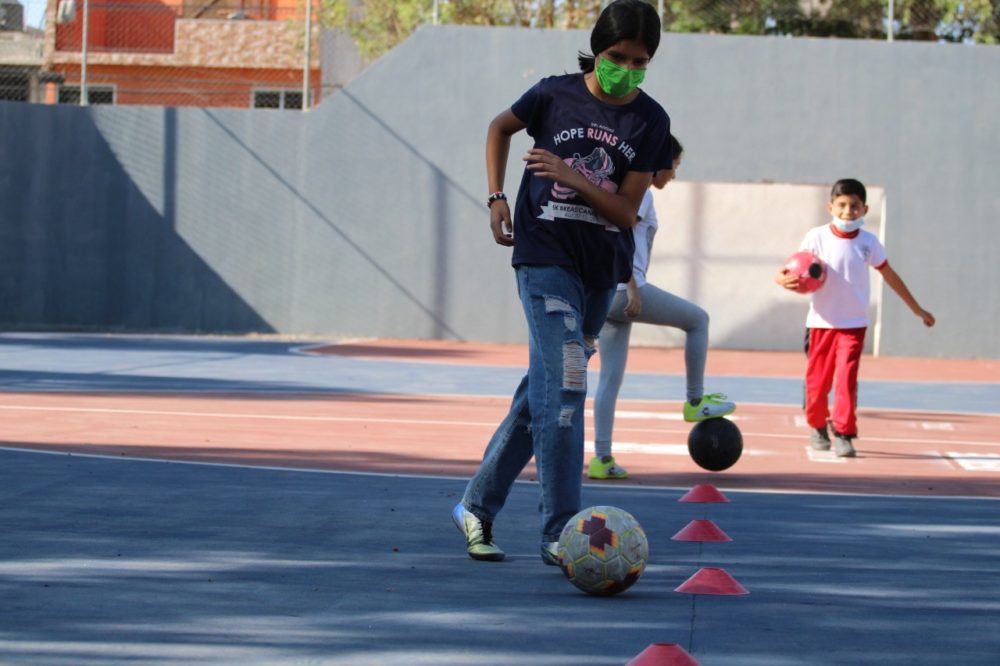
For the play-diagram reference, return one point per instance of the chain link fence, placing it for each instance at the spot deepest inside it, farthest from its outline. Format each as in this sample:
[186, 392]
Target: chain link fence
[280, 54]
[210, 53]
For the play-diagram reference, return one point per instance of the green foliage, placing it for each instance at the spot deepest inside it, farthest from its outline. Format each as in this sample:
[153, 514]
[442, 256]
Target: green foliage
[952, 20]
[375, 25]
[378, 25]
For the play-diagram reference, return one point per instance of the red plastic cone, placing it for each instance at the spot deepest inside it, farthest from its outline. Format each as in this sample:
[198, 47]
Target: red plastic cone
[663, 654]
[701, 530]
[703, 492]
[711, 580]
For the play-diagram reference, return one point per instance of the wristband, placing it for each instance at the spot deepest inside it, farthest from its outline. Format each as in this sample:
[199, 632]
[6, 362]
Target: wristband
[496, 196]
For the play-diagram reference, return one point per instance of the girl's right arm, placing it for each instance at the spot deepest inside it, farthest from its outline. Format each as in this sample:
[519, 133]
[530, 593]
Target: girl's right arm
[498, 136]
[619, 208]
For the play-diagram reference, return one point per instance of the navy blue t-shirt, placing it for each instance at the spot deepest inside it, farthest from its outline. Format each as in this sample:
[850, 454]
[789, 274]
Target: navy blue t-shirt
[552, 224]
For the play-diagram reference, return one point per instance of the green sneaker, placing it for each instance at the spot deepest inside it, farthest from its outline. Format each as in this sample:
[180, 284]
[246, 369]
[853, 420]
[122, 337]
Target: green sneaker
[478, 535]
[711, 406]
[605, 468]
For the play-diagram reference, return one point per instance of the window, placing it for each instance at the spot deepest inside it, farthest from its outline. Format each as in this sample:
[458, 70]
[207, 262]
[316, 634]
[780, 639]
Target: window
[14, 84]
[277, 99]
[95, 95]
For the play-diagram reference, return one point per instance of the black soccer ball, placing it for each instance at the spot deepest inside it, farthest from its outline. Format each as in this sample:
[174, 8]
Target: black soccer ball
[715, 444]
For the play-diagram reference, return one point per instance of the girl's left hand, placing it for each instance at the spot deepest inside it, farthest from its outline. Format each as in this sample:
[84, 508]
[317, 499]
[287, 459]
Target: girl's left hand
[634, 306]
[549, 165]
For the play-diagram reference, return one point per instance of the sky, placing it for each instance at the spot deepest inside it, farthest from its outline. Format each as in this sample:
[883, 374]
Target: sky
[34, 12]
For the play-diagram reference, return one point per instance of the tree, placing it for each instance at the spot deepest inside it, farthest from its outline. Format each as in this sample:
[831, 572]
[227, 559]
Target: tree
[951, 20]
[378, 25]
[375, 25]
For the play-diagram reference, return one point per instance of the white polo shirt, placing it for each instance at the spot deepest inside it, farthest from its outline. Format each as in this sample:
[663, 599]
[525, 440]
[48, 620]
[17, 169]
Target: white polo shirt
[644, 232]
[842, 302]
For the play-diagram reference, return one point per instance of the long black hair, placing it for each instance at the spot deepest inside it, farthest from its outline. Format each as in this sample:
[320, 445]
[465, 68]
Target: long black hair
[633, 20]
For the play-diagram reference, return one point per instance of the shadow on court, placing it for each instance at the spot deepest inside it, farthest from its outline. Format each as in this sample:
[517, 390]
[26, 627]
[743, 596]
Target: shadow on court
[110, 561]
[107, 559]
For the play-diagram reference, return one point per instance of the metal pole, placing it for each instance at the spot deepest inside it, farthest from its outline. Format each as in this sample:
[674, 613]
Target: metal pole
[434, 13]
[308, 50]
[83, 54]
[659, 9]
[892, 21]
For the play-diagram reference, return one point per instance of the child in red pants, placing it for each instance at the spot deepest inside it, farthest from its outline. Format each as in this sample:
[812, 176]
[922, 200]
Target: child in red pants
[838, 314]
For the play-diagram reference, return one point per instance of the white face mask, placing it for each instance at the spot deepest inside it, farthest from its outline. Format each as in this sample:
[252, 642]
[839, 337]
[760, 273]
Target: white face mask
[848, 226]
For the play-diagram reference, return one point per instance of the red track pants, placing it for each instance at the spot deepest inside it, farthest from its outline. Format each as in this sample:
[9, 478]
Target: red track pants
[833, 358]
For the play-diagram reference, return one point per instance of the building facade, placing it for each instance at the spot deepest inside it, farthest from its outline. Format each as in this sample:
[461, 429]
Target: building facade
[167, 53]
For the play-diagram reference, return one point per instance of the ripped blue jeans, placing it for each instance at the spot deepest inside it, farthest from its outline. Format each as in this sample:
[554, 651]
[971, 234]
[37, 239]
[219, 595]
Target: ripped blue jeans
[546, 415]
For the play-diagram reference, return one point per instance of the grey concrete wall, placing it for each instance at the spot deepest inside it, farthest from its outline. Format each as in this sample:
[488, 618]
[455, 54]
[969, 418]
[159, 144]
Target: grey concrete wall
[364, 216]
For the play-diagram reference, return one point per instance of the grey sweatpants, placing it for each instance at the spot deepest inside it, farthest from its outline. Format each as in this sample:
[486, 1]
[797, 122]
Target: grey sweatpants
[662, 309]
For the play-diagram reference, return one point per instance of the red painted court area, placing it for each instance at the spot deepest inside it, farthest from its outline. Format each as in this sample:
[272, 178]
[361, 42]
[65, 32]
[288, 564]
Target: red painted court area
[901, 452]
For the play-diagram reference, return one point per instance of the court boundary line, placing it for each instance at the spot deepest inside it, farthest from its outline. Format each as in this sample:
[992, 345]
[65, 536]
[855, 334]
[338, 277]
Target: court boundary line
[397, 421]
[352, 419]
[463, 479]
[304, 350]
[4, 390]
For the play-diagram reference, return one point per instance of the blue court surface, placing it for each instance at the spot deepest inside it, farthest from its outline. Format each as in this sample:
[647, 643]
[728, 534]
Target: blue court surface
[49, 362]
[125, 561]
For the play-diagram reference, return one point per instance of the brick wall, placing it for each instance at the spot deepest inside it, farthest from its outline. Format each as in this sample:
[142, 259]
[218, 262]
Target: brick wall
[216, 43]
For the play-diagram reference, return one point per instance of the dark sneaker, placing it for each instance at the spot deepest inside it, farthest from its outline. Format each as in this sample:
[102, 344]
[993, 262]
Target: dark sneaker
[478, 535]
[842, 446]
[819, 439]
[550, 553]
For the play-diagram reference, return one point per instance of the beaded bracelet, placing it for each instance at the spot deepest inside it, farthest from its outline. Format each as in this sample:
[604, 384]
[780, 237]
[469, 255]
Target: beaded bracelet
[496, 196]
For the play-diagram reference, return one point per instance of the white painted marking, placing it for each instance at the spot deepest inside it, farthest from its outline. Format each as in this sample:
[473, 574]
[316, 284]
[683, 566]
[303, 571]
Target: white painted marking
[976, 462]
[823, 456]
[653, 449]
[437, 422]
[656, 416]
[938, 425]
[660, 416]
[618, 486]
[241, 415]
[650, 449]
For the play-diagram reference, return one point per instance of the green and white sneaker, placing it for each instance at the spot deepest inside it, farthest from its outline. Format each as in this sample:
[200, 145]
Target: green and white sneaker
[478, 535]
[605, 468]
[711, 406]
[550, 553]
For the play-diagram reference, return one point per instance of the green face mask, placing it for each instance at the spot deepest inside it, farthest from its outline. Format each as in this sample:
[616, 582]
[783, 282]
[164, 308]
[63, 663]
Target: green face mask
[616, 80]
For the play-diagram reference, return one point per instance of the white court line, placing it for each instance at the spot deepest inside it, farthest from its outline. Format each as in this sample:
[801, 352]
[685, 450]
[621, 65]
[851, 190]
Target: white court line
[656, 416]
[943, 425]
[823, 456]
[397, 421]
[620, 485]
[976, 462]
[328, 392]
[649, 449]
[239, 415]
[660, 449]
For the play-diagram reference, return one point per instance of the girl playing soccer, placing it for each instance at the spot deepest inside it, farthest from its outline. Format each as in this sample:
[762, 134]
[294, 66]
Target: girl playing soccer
[597, 140]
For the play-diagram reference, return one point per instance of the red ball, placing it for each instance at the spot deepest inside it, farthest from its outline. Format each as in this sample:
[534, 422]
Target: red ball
[810, 270]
